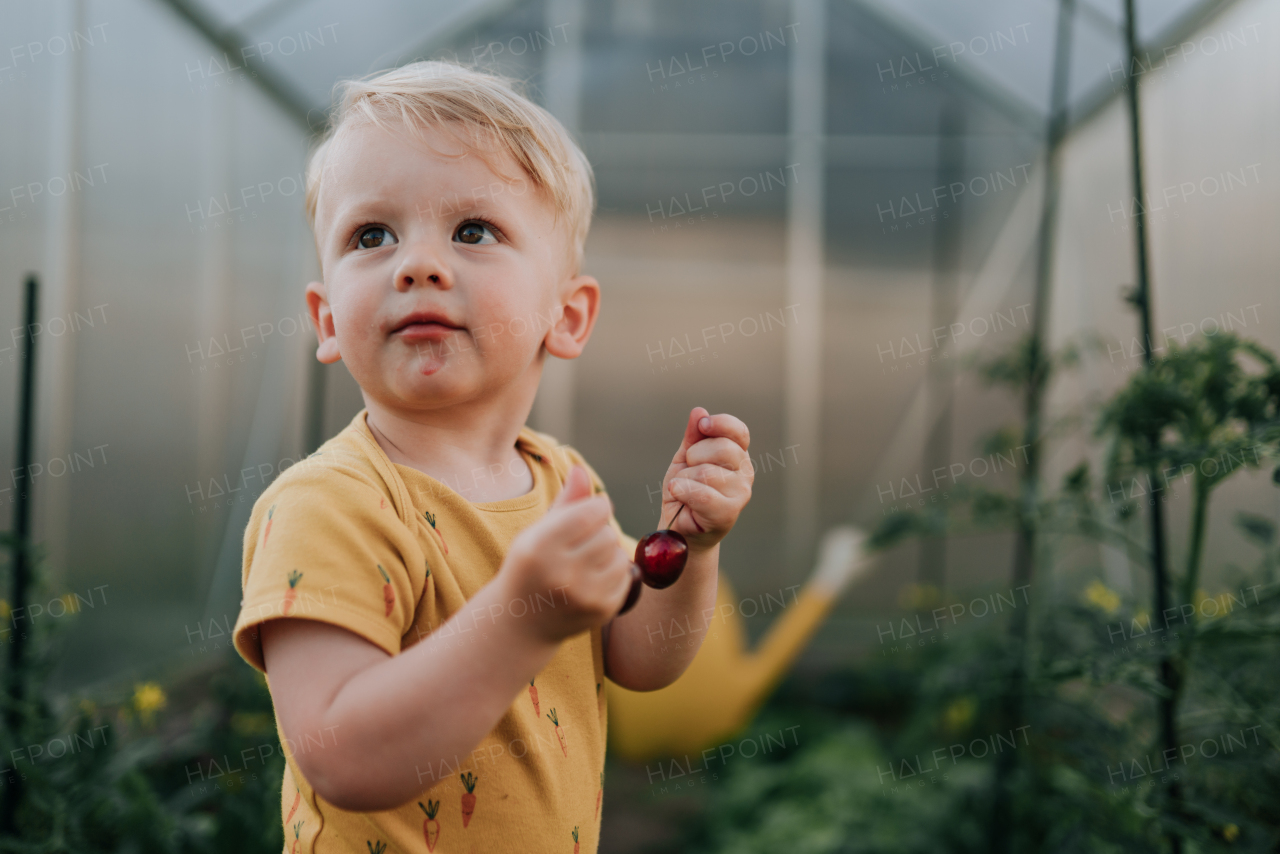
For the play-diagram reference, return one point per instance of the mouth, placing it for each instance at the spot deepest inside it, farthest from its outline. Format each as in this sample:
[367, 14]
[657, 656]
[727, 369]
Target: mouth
[424, 326]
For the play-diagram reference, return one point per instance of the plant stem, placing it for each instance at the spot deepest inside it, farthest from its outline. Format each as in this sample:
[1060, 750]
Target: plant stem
[1142, 299]
[673, 518]
[1181, 664]
[1195, 547]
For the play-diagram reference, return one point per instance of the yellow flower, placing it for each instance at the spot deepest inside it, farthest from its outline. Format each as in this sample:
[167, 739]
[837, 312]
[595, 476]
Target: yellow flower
[1221, 605]
[1103, 597]
[959, 714]
[1230, 832]
[918, 597]
[5, 610]
[147, 698]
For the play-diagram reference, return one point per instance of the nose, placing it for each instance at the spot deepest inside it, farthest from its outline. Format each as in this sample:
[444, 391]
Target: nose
[422, 265]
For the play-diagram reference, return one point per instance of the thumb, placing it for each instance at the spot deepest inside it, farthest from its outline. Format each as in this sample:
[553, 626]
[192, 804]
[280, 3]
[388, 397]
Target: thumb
[692, 435]
[576, 486]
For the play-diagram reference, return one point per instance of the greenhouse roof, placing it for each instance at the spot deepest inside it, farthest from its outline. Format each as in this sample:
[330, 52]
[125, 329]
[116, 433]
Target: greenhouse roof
[278, 40]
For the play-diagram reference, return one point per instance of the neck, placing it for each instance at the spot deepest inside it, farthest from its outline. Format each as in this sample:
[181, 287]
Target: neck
[469, 447]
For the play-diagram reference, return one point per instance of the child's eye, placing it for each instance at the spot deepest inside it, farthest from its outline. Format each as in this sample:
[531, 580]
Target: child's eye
[474, 233]
[372, 238]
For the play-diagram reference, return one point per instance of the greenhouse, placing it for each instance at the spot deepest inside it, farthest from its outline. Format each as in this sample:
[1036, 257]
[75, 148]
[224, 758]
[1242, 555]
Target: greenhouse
[982, 280]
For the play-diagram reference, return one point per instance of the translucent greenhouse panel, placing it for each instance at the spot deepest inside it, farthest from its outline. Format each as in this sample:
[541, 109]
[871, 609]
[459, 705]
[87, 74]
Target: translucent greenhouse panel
[1211, 200]
[36, 58]
[1005, 43]
[195, 243]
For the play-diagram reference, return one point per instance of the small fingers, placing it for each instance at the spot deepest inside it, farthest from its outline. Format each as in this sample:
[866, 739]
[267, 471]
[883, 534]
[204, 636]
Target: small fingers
[573, 524]
[713, 508]
[598, 550]
[605, 589]
[724, 480]
[721, 451]
[726, 425]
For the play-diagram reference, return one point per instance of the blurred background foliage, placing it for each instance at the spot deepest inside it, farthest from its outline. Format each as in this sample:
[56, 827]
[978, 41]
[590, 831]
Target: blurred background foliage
[166, 713]
[896, 754]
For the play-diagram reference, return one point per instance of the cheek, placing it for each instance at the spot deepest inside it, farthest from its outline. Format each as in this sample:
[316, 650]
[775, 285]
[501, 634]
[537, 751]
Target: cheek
[519, 312]
[353, 312]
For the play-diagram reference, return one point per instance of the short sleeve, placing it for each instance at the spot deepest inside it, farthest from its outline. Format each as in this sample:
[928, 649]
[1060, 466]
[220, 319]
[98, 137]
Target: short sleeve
[327, 545]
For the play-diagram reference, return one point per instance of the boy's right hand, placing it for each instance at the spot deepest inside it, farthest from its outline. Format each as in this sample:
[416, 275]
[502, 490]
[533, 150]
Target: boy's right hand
[572, 555]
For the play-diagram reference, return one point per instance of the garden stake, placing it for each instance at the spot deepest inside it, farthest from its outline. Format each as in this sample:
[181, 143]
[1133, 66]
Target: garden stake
[20, 547]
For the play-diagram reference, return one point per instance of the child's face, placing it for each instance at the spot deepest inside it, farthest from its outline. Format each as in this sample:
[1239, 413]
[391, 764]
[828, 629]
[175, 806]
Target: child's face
[442, 278]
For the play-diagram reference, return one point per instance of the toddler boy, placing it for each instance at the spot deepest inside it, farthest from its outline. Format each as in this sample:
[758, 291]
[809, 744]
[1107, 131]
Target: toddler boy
[433, 594]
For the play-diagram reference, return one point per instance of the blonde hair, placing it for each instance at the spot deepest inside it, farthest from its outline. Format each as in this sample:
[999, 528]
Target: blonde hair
[429, 94]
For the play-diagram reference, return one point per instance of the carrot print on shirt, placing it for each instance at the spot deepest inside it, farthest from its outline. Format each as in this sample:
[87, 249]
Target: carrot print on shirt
[388, 592]
[376, 847]
[533, 695]
[468, 798]
[559, 732]
[297, 799]
[271, 512]
[575, 840]
[431, 827]
[291, 593]
[297, 834]
[432, 519]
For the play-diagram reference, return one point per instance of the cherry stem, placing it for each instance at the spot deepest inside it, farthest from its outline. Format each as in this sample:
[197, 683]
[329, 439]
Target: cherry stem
[673, 518]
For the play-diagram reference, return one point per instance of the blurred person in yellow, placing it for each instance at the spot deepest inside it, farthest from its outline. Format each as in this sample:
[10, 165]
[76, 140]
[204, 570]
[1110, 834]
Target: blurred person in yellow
[433, 595]
[718, 695]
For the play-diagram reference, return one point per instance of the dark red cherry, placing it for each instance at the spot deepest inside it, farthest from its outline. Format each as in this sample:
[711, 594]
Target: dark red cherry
[633, 595]
[661, 556]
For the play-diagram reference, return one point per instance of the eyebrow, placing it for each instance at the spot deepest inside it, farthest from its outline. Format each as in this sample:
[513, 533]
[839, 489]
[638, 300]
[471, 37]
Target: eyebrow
[453, 205]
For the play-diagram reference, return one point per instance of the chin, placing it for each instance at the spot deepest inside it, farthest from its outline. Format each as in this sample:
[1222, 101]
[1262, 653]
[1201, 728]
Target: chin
[441, 387]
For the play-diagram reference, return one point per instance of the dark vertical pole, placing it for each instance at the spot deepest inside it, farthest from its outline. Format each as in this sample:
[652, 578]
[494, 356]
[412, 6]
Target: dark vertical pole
[1038, 369]
[1141, 298]
[944, 305]
[21, 545]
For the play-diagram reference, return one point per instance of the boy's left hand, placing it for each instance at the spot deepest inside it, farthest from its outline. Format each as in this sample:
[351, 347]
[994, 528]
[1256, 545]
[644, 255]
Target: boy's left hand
[711, 475]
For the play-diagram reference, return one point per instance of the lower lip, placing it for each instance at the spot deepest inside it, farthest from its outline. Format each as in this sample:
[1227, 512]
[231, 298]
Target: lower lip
[425, 331]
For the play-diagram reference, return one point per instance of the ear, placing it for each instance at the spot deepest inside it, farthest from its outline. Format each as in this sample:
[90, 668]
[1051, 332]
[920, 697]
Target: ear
[578, 315]
[322, 320]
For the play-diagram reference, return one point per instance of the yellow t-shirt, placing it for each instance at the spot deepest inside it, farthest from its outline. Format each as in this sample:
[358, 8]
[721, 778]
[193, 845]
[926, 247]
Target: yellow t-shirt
[387, 552]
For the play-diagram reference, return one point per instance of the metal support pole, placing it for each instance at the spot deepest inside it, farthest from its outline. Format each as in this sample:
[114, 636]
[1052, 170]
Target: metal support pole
[932, 570]
[805, 265]
[61, 280]
[553, 408]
